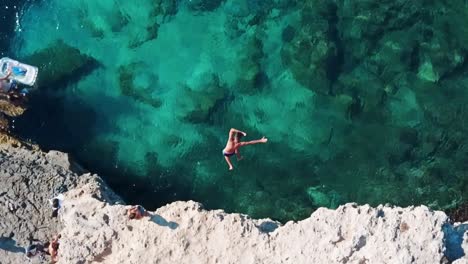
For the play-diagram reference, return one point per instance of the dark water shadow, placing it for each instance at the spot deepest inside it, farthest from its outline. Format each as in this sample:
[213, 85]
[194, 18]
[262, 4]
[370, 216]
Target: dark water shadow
[73, 76]
[54, 122]
[453, 239]
[63, 121]
[156, 188]
[8, 22]
[9, 244]
[163, 222]
[60, 120]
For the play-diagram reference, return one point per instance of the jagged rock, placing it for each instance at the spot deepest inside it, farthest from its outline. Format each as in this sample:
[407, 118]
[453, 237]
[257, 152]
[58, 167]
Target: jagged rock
[94, 226]
[28, 179]
[4, 124]
[60, 63]
[10, 108]
[183, 232]
[7, 139]
[459, 214]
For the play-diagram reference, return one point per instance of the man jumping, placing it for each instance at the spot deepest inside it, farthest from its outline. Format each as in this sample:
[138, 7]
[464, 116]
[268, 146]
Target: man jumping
[233, 144]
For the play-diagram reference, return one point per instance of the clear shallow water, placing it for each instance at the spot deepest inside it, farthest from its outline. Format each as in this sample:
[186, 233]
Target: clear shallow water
[154, 116]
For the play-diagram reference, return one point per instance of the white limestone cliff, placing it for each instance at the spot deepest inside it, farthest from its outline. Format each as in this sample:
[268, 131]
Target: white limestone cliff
[95, 229]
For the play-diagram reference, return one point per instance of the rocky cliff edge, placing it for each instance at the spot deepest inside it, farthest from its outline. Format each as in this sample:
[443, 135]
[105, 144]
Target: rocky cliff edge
[95, 229]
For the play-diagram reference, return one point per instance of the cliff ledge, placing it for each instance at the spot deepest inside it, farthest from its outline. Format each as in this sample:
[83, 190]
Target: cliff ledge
[95, 229]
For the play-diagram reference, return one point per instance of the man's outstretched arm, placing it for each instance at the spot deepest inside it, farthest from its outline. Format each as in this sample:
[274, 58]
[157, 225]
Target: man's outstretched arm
[262, 140]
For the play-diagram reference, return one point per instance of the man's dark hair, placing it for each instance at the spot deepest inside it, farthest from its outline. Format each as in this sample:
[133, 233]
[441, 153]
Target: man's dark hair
[55, 203]
[55, 246]
[132, 215]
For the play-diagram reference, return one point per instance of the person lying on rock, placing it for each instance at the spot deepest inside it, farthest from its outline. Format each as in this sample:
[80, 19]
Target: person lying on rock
[11, 90]
[34, 249]
[137, 212]
[5, 84]
[56, 203]
[52, 248]
[233, 144]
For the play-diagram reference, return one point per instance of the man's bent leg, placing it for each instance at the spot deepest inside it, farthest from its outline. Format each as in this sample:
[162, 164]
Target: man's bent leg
[229, 162]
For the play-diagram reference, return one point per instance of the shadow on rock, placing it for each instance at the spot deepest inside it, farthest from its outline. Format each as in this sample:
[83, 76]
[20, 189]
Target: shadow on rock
[163, 222]
[8, 244]
[453, 238]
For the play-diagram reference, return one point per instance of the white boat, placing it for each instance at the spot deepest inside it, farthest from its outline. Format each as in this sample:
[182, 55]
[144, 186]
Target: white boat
[20, 72]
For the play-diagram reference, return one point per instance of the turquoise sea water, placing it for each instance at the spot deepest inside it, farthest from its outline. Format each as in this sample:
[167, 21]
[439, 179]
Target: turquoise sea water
[360, 102]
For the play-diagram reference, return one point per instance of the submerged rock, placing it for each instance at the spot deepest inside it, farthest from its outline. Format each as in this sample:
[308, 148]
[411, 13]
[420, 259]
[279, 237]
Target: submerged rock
[307, 51]
[426, 72]
[321, 197]
[363, 23]
[398, 40]
[161, 12]
[203, 5]
[10, 108]
[136, 82]
[252, 77]
[60, 63]
[201, 98]
[165, 8]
